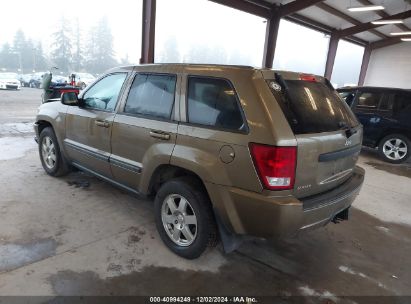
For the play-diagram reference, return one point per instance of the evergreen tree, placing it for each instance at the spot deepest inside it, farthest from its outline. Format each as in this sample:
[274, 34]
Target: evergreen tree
[78, 54]
[100, 51]
[19, 47]
[40, 59]
[125, 60]
[7, 58]
[170, 51]
[62, 47]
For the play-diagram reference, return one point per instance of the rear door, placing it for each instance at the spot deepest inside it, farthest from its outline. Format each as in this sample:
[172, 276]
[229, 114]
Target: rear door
[145, 128]
[328, 134]
[368, 113]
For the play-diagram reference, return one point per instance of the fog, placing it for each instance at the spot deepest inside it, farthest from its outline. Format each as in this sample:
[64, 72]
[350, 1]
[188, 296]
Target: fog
[196, 31]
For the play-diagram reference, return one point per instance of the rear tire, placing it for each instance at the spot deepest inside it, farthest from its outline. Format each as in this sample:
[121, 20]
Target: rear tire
[184, 217]
[53, 161]
[394, 148]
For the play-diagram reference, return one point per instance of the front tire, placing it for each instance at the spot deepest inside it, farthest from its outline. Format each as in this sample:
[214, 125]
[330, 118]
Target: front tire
[184, 217]
[51, 158]
[394, 148]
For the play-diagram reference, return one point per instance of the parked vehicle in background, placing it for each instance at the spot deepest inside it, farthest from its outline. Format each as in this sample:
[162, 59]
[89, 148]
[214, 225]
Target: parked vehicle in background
[9, 81]
[223, 149]
[36, 80]
[83, 79]
[55, 80]
[25, 80]
[385, 114]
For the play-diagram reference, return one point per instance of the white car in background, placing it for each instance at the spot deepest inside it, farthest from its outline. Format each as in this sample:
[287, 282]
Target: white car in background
[84, 79]
[9, 81]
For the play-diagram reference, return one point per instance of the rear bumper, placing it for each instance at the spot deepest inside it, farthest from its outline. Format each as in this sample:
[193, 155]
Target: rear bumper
[249, 213]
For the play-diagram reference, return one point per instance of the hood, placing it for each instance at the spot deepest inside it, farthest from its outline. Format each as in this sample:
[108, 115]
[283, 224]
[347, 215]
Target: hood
[12, 80]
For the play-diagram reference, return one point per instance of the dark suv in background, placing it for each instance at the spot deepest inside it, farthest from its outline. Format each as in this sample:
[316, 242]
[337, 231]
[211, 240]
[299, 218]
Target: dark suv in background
[385, 114]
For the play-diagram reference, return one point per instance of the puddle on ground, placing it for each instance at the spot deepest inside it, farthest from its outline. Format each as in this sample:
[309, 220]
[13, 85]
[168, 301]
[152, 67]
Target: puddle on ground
[18, 128]
[232, 278]
[401, 170]
[278, 268]
[15, 147]
[15, 255]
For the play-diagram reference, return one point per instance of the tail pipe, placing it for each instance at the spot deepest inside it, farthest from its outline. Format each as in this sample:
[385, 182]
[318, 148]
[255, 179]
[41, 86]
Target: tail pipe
[341, 216]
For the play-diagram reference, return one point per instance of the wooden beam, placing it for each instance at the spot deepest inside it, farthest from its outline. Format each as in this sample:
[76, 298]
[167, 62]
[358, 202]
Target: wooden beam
[247, 7]
[386, 42]
[295, 6]
[333, 11]
[318, 26]
[270, 43]
[149, 30]
[384, 14]
[364, 65]
[332, 52]
[368, 25]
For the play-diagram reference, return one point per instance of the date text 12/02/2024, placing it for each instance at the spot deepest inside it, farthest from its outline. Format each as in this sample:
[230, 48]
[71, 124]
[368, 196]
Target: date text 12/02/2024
[238, 299]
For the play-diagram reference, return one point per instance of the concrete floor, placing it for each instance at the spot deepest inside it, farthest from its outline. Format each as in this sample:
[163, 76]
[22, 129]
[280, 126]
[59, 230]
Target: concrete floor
[78, 235]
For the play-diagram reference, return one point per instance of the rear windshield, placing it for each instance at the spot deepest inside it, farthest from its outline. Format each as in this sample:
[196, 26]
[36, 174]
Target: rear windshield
[312, 107]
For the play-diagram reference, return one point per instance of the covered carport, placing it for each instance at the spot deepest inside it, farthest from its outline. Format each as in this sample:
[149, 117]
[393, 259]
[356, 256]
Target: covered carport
[372, 30]
[80, 236]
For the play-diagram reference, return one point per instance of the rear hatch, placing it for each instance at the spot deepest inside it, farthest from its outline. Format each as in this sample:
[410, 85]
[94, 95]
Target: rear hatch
[327, 132]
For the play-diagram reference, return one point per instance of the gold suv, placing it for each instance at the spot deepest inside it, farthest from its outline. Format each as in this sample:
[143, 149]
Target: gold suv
[226, 151]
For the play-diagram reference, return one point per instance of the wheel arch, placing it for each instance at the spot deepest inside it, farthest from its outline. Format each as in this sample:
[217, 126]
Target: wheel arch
[165, 172]
[42, 124]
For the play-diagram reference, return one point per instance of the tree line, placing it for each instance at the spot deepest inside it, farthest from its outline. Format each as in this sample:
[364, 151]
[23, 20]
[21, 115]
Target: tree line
[71, 50]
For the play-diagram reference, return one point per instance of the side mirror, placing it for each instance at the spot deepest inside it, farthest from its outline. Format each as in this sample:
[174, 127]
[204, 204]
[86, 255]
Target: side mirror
[70, 99]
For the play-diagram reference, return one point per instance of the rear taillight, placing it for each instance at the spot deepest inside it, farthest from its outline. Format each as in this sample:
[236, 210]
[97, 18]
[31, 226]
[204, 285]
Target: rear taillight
[275, 165]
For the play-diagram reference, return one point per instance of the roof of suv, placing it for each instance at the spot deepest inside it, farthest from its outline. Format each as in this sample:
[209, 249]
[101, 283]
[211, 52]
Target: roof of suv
[372, 88]
[199, 65]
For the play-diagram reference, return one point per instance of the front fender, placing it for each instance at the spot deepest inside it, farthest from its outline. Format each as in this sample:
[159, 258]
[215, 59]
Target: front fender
[55, 115]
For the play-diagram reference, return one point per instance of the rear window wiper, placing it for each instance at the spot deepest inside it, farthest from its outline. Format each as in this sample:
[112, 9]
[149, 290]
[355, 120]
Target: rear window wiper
[349, 131]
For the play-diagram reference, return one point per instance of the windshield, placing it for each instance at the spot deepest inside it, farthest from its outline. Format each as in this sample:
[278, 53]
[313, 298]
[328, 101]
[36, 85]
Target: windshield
[312, 107]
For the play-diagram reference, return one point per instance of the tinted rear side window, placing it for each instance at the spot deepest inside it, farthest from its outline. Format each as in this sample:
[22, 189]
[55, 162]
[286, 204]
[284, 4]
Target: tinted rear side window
[213, 102]
[403, 102]
[152, 95]
[312, 107]
[369, 99]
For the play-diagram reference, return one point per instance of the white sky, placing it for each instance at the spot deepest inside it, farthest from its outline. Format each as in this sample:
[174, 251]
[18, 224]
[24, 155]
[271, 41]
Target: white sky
[38, 19]
[192, 22]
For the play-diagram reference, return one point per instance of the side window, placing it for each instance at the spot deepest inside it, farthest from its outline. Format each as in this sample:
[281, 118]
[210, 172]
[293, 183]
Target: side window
[213, 102]
[348, 97]
[104, 94]
[369, 99]
[403, 103]
[152, 95]
[387, 103]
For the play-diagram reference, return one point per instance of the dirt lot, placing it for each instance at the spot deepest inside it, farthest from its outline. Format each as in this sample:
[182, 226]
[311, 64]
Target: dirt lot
[78, 235]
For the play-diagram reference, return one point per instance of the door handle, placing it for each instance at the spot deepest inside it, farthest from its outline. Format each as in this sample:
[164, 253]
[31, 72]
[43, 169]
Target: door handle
[102, 123]
[160, 135]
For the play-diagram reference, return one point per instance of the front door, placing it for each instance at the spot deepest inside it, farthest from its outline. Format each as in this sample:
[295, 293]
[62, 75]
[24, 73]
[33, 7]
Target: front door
[88, 127]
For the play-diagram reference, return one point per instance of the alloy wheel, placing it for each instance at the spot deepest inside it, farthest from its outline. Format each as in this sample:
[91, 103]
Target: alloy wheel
[395, 149]
[48, 152]
[179, 220]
